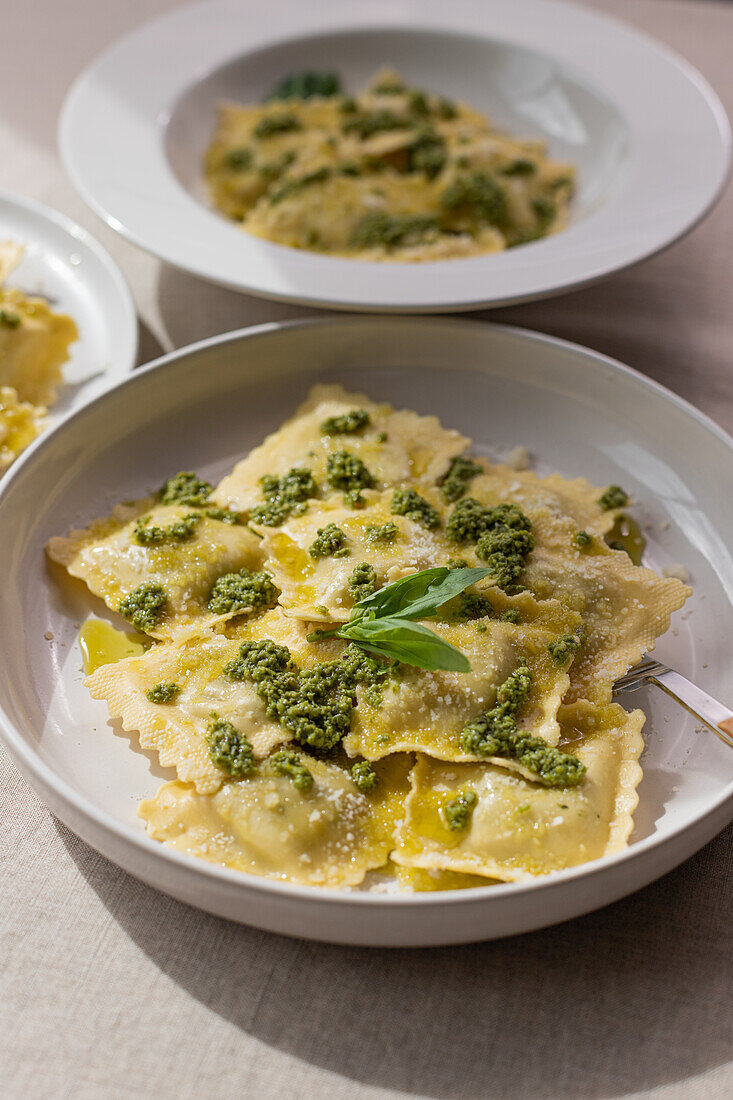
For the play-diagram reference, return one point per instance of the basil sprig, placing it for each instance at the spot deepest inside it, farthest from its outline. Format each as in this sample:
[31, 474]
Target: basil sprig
[383, 622]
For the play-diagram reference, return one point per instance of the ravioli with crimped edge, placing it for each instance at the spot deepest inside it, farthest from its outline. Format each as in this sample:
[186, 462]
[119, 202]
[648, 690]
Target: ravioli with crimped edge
[374, 660]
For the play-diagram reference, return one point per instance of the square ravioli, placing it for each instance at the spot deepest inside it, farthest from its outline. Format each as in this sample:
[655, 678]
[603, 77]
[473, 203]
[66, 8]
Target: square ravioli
[329, 834]
[158, 564]
[176, 727]
[513, 829]
[395, 446]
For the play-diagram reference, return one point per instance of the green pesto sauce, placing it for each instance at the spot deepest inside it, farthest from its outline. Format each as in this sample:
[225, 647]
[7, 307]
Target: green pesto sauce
[238, 159]
[510, 616]
[364, 776]
[288, 763]
[347, 472]
[613, 497]
[284, 496]
[329, 542]
[428, 153]
[347, 423]
[228, 748]
[9, 318]
[389, 87]
[314, 705]
[461, 473]
[376, 122]
[458, 812]
[565, 647]
[276, 124]
[495, 733]
[144, 606]
[225, 515]
[164, 692]
[242, 591]
[299, 183]
[504, 550]
[306, 85]
[582, 539]
[469, 520]
[409, 503]
[185, 488]
[180, 531]
[471, 605]
[478, 196]
[393, 230]
[363, 582]
[519, 167]
[348, 105]
[447, 109]
[546, 211]
[382, 532]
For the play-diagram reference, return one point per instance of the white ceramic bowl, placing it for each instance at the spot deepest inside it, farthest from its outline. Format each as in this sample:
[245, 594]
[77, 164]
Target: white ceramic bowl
[201, 408]
[66, 264]
[649, 136]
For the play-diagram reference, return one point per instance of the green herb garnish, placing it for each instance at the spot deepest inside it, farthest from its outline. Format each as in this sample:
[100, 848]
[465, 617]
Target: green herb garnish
[185, 488]
[364, 776]
[228, 748]
[164, 692]
[242, 591]
[276, 124]
[329, 542]
[461, 473]
[382, 533]
[363, 581]
[613, 497]
[409, 503]
[347, 472]
[347, 423]
[286, 762]
[582, 539]
[306, 85]
[152, 535]
[284, 496]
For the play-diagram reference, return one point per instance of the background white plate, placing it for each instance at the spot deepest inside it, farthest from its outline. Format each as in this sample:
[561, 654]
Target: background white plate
[203, 407]
[648, 134]
[66, 264]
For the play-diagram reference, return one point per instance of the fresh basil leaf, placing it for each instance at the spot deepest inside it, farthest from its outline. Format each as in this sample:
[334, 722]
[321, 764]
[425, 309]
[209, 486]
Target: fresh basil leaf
[406, 641]
[421, 594]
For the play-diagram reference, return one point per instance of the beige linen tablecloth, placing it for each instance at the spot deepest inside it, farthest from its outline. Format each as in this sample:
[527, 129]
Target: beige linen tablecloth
[110, 989]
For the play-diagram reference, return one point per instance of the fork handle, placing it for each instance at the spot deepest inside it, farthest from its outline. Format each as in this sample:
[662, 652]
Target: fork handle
[702, 706]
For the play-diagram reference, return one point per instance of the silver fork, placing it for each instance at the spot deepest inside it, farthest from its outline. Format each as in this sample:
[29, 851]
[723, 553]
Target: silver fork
[702, 706]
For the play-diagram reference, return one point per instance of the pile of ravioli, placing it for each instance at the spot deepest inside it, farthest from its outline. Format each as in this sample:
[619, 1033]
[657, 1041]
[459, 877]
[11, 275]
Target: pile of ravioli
[394, 173]
[34, 344]
[334, 833]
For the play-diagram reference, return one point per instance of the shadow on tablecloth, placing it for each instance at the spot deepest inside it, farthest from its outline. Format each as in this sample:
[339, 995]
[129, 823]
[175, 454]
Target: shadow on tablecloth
[623, 1000]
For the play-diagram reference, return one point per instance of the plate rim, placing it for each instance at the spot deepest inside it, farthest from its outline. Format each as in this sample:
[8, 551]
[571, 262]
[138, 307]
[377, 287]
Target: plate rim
[287, 284]
[53, 789]
[125, 347]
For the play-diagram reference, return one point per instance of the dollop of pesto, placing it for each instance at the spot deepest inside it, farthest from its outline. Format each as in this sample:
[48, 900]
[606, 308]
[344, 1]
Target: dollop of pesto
[363, 582]
[185, 488]
[477, 196]
[364, 776]
[469, 520]
[393, 230]
[565, 647]
[461, 473]
[242, 591]
[314, 705]
[284, 496]
[329, 542]
[228, 748]
[9, 318]
[389, 87]
[347, 472]
[472, 605]
[306, 85]
[582, 539]
[496, 733]
[522, 166]
[613, 497]
[144, 606]
[409, 503]
[238, 159]
[427, 153]
[504, 550]
[348, 105]
[369, 123]
[299, 183]
[276, 124]
[288, 763]
[151, 535]
[225, 515]
[382, 532]
[458, 812]
[510, 616]
[546, 211]
[347, 423]
[164, 692]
